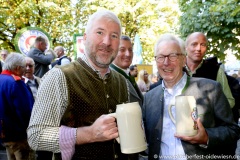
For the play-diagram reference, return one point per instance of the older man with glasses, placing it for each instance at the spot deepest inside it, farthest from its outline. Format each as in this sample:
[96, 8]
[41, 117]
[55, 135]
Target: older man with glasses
[217, 132]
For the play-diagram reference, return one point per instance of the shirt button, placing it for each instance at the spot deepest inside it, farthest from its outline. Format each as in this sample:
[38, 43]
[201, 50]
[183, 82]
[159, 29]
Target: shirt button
[107, 96]
[105, 82]
[110, 110]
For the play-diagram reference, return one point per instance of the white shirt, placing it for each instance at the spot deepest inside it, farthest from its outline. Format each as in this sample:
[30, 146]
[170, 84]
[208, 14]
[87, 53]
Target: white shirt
[171, 147]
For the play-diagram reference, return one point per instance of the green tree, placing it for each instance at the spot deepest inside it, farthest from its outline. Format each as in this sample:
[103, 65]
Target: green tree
[52, 16]
[61, 19]
[219, 19]
[147, 18]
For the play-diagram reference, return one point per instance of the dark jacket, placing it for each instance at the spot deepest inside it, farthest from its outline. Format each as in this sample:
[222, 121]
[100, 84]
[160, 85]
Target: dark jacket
[216, 117]
[41, 61]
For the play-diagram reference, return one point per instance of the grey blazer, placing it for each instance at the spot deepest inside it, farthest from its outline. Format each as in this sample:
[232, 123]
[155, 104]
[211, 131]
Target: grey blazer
[213, 110]
[41, 61]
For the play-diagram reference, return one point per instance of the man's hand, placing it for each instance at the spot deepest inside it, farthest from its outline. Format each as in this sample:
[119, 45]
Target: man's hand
[200, 138]
[103, 129]
[50, 51]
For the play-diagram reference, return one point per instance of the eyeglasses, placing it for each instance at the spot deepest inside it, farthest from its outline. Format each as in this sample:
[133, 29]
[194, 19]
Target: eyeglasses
[172, 57]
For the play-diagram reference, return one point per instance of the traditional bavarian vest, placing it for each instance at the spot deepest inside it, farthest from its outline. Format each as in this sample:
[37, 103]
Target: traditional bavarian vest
[89, 97]
[207, 70]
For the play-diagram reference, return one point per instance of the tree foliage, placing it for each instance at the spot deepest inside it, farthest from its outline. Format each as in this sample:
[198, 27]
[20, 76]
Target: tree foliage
[54, 17]
[147, 18]
[218, 19]
[61, 19]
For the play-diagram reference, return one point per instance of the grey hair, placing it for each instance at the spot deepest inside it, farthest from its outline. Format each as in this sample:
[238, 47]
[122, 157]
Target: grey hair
[170, 37]
[58, 48]
[29, 58]
[4, 51]
[102, 14]
[14, 60]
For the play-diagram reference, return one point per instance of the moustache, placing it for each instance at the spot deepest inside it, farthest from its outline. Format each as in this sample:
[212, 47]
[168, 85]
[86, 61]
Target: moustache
[105, 48]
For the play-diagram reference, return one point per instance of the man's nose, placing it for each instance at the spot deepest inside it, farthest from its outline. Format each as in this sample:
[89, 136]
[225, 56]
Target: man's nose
[198, 47]
[107, 40]
[128, 53]
[166, 61]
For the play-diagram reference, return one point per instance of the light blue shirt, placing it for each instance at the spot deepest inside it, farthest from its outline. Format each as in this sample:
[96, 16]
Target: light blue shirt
[171, 147]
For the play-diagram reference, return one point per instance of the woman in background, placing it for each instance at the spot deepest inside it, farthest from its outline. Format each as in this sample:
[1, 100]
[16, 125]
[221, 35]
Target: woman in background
[143, 81]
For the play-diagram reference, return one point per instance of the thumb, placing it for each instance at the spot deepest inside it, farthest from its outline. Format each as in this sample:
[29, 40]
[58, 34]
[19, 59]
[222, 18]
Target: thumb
[199, 124]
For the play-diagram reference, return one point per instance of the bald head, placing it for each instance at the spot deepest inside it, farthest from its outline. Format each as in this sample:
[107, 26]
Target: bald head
[59, 50]
[196, 48]
[195, 35]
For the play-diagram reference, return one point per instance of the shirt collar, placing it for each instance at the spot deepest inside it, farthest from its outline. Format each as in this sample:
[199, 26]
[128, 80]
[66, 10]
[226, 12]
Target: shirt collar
[86, 60]
[27, 79]
[125, 70]
[178, 87]
[194, 71]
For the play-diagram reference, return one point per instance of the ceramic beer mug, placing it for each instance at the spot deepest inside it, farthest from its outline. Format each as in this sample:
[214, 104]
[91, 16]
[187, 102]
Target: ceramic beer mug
[131, 133]
[185, 115]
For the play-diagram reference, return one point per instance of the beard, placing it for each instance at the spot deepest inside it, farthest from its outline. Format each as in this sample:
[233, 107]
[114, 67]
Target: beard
[101, 60]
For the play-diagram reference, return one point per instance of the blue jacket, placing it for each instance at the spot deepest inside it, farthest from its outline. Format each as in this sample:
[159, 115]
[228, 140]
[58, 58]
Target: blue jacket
[16, 102]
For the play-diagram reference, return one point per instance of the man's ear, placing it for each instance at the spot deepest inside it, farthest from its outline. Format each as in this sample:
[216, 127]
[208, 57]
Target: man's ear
[84, 36]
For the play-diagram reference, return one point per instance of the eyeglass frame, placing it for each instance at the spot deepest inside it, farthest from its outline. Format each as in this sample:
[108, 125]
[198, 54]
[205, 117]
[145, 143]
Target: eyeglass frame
[176, 55]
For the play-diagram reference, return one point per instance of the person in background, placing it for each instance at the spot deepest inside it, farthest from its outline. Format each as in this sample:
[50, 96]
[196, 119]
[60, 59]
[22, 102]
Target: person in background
[70, 116]
[4, 53]
[29, 78]
[153, 78]
[133, 70]
[238, 78]
[62, 58]
[41, 59]
[121, 64]
[196, 48]
[159, 81]
[143, 81]
[16, 102]
[217, 132]
[234, 75]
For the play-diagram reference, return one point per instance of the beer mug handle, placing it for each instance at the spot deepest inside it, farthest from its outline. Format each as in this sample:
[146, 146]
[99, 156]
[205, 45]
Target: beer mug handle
[115, 116]
[170, 113]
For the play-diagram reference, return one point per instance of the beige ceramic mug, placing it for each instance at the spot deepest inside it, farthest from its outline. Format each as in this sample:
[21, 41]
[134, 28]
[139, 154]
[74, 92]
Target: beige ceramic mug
[185, 115]
[131, 132]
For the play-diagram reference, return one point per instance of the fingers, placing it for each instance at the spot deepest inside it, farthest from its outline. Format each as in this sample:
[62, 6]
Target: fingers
[105, 128]
[200, 138]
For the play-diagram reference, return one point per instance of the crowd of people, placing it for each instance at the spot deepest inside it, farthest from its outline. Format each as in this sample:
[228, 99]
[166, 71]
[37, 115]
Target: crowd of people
[61, 109]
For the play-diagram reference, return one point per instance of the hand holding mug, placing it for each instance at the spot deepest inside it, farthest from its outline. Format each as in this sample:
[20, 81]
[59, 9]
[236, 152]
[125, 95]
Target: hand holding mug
[200, 138]
[131, 132]
[185, 115]
[103, 129]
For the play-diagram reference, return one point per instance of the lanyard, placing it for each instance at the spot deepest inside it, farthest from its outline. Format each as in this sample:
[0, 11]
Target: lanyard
[186, 85]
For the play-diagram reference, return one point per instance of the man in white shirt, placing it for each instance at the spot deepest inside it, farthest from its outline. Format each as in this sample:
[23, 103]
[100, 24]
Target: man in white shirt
[62, 58]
